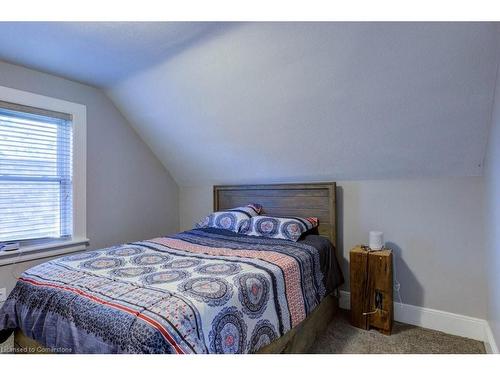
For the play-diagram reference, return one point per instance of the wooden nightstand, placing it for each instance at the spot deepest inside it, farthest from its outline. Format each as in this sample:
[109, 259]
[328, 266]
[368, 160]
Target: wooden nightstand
[371, 289]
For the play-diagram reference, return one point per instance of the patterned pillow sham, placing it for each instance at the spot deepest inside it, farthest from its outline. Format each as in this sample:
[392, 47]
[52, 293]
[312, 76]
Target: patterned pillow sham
[230, 219]
[288, 228]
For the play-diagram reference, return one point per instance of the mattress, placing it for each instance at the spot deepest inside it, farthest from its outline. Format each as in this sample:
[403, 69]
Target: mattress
[200, 291]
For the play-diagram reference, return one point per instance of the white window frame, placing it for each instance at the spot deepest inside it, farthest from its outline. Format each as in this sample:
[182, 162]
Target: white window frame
[79, 239]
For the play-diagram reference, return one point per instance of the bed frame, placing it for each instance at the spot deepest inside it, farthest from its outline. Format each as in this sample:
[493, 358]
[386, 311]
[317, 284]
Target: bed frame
[303, 200]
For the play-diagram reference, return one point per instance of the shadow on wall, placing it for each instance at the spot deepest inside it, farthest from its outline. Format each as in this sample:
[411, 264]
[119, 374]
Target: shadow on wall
[339, 245]
[403, 274]
[409, 285]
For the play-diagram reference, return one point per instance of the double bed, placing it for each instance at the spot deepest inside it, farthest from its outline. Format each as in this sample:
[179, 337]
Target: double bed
[204, 290]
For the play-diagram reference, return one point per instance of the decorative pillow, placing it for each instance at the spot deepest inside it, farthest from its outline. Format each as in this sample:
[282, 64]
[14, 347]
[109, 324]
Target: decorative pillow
[230, 219]
[288, 228]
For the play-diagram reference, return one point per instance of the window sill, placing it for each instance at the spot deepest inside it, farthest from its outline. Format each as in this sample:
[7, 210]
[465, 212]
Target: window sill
[46, 250]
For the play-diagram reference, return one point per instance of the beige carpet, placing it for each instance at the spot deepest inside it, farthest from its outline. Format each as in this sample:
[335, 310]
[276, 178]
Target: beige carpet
[341, 337]
[7, 346]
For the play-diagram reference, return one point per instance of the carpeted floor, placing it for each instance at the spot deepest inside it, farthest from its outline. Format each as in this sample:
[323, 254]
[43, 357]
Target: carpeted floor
[6, 347]
[341, 337]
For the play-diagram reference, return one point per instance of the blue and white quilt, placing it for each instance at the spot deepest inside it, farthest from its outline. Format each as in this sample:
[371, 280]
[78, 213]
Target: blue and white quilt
[200, 291]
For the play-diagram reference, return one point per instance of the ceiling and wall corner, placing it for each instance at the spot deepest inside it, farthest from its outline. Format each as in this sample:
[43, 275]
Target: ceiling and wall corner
[302, 101]
[319, 101]
[119, 165]
[98, 53]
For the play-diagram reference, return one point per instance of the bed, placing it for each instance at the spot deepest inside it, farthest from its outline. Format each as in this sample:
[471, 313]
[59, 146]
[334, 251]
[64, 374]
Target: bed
[200, 291]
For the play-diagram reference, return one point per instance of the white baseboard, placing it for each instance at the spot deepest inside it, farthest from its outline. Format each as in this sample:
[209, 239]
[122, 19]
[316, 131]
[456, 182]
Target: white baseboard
[453, 324]
[490, 343]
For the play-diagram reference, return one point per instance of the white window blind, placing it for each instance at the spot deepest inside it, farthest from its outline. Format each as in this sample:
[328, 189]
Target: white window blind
[35, 173]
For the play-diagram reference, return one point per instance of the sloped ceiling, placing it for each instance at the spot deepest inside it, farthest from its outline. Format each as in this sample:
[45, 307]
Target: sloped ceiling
[284, 102]
[98, 53]
[265, 102]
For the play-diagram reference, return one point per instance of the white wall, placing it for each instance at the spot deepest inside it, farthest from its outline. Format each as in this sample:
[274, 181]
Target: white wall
[435, 227]
[130, 195]
[492, 210]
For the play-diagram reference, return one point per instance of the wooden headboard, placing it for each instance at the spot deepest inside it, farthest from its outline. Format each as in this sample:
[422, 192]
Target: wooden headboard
[303, 200]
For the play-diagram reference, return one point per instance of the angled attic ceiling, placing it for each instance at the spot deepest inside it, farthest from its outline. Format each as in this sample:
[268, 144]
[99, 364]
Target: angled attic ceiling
[98, 53]
[264, 102]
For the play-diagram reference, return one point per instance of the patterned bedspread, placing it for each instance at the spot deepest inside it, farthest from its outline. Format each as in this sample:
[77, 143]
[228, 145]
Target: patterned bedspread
[195, 292]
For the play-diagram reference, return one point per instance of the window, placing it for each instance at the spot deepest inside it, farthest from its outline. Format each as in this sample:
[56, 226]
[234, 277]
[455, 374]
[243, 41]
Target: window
[42, 175]
[35, 173]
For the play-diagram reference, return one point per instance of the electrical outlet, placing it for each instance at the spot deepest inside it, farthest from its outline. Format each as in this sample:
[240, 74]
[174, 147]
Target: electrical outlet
[397, 286]
[378, 299]
[3, 295]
